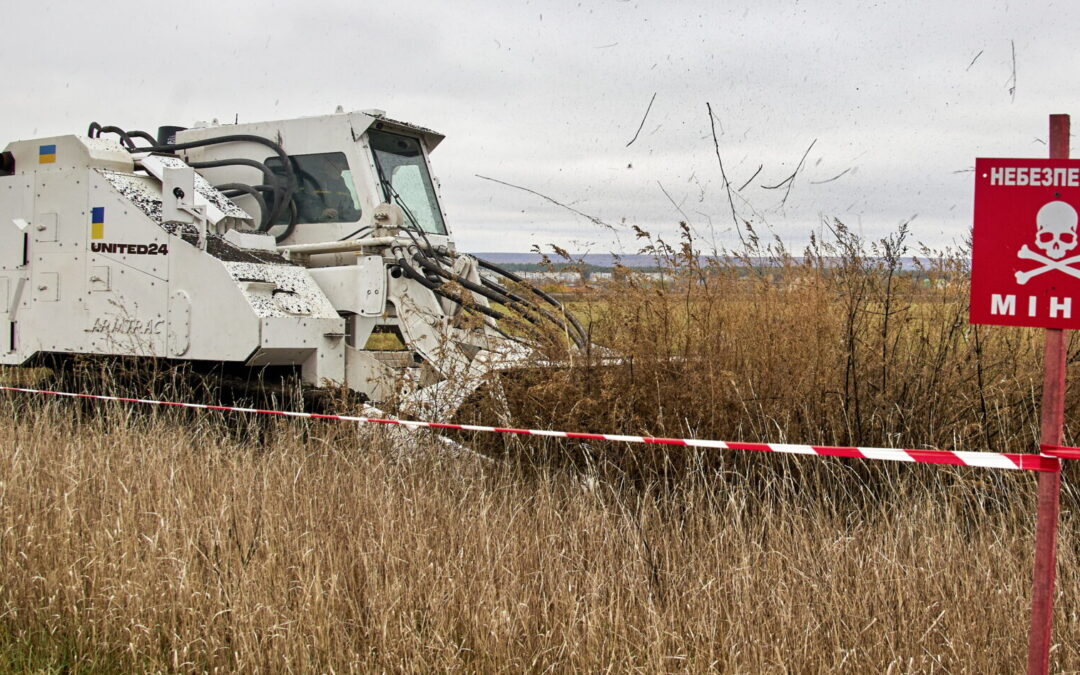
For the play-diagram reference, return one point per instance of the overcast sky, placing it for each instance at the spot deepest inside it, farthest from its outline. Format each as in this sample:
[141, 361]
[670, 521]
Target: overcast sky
[897, 98]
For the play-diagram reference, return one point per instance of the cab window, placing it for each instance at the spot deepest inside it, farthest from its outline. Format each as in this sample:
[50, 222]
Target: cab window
[325, 193]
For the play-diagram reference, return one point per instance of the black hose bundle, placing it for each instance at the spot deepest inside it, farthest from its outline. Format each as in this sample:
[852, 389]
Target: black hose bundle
[525, 312]
[529, 311]
[281, 191]
[540, 293]
[126, 137]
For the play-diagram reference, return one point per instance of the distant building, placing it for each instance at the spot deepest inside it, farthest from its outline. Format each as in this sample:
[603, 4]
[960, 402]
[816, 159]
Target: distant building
[648, 276]
[556, 277]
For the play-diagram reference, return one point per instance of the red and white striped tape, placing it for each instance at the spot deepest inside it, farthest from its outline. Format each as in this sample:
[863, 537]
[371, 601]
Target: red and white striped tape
[991, 460]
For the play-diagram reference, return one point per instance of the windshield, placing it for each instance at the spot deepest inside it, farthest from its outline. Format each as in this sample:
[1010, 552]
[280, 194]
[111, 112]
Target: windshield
[404, 174]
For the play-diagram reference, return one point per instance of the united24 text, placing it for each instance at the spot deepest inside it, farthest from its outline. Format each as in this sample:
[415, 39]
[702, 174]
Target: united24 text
[130, 249]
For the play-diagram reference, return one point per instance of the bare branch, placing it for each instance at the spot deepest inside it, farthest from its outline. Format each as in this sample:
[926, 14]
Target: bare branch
[643, 117]
[723, 174]
[829, 180]
[790, 180]
[974, 60]
[760, 167]
[718, 121]
[594, 219]
[677, 207]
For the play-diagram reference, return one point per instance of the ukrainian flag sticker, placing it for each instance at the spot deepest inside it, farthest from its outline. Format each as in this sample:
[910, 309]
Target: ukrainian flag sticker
[46, 154]
[97, 222]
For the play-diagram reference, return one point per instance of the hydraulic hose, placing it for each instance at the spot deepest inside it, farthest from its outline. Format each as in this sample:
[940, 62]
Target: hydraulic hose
[286, 162]
[465, 283]
[236, 189]
[135, 133]
[532, 306]
[356, 232]
[545, 296]
[264, 225]
[411, 273]
[268, 174]
[491, 294]
[434, 263]
[294, 217]
[573, 329]
[489, 291]
[96, 130]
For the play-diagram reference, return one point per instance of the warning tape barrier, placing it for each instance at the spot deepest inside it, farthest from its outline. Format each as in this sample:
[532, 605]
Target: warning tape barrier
[1049, 461]
[1060, 451]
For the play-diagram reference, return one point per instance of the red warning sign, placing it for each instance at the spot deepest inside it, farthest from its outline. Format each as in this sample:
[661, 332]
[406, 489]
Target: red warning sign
[1025, 256]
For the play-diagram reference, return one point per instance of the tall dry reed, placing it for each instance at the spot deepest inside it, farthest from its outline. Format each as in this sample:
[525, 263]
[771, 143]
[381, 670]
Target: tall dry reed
[850, 342]
[135, 542]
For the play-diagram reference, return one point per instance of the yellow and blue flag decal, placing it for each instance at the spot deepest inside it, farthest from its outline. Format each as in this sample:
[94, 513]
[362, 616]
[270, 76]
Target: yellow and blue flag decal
[46, 154]
[97, 222]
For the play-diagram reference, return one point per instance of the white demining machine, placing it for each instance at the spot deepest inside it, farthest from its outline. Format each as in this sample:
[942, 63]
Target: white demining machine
[287, 243]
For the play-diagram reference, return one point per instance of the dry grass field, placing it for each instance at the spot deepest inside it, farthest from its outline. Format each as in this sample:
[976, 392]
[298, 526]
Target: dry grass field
[146, 543]
[171, 542]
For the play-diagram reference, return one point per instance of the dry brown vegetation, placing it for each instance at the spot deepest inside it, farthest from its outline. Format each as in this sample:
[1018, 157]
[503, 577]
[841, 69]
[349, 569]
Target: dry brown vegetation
[840, 345]
[179, 542]
[143, 543]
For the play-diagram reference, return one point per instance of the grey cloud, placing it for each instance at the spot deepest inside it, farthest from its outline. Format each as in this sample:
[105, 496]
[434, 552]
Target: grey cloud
[546, 95]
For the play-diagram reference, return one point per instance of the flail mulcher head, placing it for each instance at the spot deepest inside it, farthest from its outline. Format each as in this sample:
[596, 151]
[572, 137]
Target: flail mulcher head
[311, 243]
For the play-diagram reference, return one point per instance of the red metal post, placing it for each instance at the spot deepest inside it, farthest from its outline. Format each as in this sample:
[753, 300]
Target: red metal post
[1051, 423]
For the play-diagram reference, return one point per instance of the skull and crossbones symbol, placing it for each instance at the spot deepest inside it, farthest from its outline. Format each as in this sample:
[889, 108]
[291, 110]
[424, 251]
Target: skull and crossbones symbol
[1056, 235]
